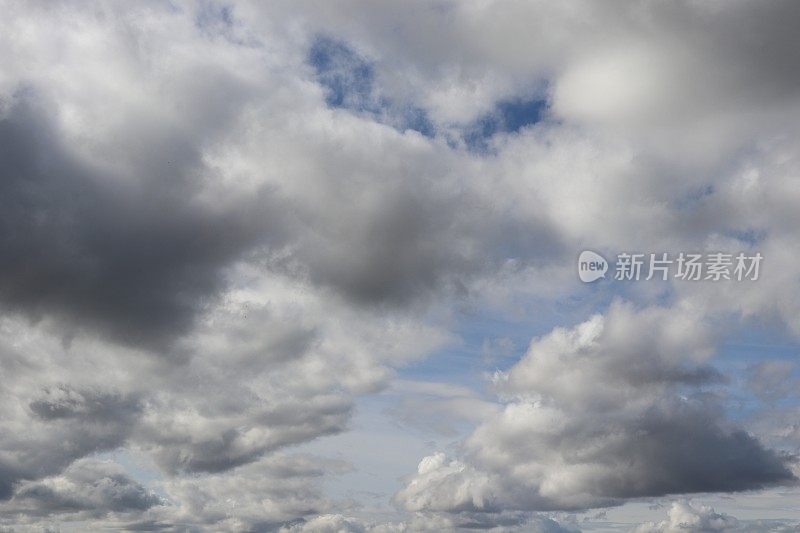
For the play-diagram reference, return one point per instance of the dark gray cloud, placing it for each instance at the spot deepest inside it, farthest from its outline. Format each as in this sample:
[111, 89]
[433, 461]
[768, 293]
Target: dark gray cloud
[63, 402]
[66, 424]
[684, 447]
[140, 258]
[137, 260]
[409, 238]
[278, 425]
[86, 489]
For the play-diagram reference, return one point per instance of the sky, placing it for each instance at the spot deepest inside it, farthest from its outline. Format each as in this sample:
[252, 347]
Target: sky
[313, 266]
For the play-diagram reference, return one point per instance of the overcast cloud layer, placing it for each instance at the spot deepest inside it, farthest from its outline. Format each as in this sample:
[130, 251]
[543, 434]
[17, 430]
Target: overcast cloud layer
[225, 226]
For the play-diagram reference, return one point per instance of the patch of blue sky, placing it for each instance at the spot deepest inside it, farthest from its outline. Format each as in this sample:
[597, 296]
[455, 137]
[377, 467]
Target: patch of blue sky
[486, 344]
[138, 467]
[749, 236]
[349, 82]
[349, 79]
[492, 340]
[694, 198]
[218, 20]
[381, 452]
[750, 344]
[212, 14]
[747, 344]
[508, 116]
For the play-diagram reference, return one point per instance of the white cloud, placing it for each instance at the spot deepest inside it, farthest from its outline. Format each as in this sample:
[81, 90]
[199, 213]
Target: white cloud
[618, 407]
[682, 516]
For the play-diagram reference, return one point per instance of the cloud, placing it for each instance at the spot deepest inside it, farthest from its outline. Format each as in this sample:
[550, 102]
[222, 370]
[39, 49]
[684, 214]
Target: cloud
[335, 523]
[260, 496]
[63, 402]
[349, 81]
[772, 380]
[99, 494]
[103, 254]
[158, 301]
[88, 488]
[682, 516]
[502, 522]
[58, 426]
[270, 367]
[438, 407]
[221, 225]
[562, 442]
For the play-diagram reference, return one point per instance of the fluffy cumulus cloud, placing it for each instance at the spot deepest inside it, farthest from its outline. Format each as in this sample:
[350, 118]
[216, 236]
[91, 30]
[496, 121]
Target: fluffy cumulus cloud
[621, 406]
[682, 516]
[687, 516]
[223, 224]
